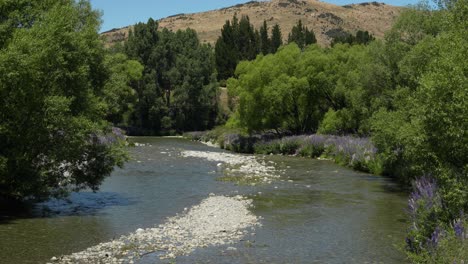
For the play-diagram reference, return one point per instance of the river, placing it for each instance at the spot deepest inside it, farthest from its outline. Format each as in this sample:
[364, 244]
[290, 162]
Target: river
[318, 212]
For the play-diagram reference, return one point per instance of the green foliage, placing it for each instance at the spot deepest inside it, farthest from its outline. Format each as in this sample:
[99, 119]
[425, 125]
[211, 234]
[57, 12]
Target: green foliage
[293, 89]
[265, 42]
[334, 122]
[451, 249]
[272, 147]
[247, 40]
[226, 52]
[423, 130]
[178, 88]
[273, 95]
[53, 138]
[409, 92]
[361, 37]
[118, 94]
[240, 41]
[301, 35]
[276, 38]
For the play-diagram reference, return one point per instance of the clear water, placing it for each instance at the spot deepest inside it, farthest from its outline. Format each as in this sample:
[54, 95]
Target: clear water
[327, 214]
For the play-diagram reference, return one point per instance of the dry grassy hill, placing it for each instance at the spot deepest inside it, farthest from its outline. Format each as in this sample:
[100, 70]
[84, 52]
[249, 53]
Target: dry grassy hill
[326, 20]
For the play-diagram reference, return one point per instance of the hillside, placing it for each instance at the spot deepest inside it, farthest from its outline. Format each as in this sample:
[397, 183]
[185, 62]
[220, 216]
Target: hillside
[326, 20]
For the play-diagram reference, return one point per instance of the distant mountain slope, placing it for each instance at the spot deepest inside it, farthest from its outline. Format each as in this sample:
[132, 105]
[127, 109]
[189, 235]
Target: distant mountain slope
[326, 20]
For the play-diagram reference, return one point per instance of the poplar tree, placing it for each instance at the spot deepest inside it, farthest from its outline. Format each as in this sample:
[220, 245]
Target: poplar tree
[276, 38]
[265, 41]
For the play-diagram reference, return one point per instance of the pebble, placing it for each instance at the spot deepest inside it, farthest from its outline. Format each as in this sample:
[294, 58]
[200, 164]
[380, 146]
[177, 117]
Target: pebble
[195, 228]
[247, 166]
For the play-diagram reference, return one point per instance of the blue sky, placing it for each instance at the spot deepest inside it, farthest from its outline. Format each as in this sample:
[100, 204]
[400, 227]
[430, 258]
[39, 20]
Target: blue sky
[120, 13]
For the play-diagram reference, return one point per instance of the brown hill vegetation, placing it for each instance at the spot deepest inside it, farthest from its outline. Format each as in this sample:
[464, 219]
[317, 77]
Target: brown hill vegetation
[326, 20]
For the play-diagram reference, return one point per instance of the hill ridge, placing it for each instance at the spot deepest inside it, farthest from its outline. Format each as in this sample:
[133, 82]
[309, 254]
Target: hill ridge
[325, 19]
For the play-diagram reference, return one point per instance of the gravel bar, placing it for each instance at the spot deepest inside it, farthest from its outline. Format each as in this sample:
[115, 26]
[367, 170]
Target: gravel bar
[217, 220]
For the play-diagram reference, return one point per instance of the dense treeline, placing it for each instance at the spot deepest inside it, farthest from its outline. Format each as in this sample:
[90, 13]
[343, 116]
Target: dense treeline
[408, 92]
[240, 41]
[361, 37]
[301, 35]
[177, 91]
[55, 91]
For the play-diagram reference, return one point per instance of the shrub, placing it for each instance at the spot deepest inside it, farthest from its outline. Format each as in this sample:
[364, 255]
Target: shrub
[271, 147]
[313, 146]
[290, 145]
[430, 239]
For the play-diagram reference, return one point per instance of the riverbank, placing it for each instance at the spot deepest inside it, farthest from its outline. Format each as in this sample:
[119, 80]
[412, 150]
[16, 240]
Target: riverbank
[357, 153]
[217, 220]
[239, 168]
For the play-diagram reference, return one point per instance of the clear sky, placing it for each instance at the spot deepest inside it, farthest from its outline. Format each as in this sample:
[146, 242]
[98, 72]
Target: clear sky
[120, 13]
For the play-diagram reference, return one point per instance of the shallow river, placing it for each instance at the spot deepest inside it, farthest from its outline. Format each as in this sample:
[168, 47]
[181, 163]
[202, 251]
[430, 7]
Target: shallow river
[318, 212]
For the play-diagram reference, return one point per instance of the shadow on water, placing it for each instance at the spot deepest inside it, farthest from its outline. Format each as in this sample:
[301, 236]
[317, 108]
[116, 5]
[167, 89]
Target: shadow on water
[315, 212]
[77, 204]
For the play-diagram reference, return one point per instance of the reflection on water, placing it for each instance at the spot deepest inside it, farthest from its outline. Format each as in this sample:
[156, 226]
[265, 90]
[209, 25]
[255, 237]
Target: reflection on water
[318, 213]
[80, 204]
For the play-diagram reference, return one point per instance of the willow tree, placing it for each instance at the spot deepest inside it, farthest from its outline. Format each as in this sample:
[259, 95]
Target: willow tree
[53, 137]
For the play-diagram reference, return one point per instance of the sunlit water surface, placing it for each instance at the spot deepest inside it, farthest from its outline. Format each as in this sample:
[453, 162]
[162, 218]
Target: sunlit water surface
[319, 213]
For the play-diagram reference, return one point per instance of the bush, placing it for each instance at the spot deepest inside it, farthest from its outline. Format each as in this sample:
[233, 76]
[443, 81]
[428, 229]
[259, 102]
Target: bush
[266, 148]
[331, 123]
[195, 136]
[313, 146]
[290, 145]
[430, 239]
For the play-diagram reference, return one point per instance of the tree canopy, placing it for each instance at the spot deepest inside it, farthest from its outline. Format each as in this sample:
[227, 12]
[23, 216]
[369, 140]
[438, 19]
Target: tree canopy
[240, 41]
[301, 35]
[408, 92]
[178, 89]
[53, 136]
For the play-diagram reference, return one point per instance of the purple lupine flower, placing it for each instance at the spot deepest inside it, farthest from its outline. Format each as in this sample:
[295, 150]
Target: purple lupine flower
[459, 228]
[316, 140]
[355, 150]
[113, 137]
[424, 193]
[435, 237]
[119, 133]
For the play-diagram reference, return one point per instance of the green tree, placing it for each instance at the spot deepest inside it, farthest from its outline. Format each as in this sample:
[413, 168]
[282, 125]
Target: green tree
[119, 96]
[53, 138]
[265, 41]
[247, 40]
[226, 50]
[361, 37]
[276, 38]
[274, 92]
[239, 41]
[297, 34]
[178, 89]
[301, 35]
[309, 37]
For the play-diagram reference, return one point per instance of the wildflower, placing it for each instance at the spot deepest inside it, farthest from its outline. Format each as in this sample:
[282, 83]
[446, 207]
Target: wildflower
[435, 237]
[424, 193]
[459, 228]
